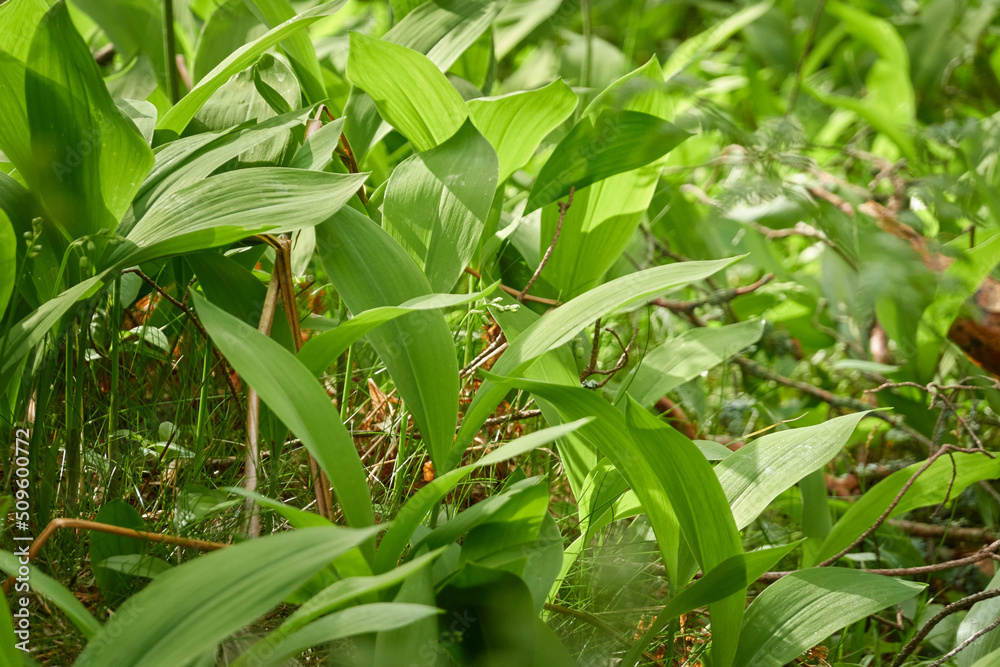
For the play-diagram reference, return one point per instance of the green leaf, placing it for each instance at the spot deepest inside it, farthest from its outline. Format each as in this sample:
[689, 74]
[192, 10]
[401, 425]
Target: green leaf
[76, 151]
[945, 478]
[193, 159]
[442, 30]
[320, 351]
[133, 26]
[318, 151]
[416, 508]
[694, 48]
[569, 319]
[612, 143]
[370, 270]
[231, 25]
[803, 608]
[518, 19]
[295, 517]
[10, 655]
[375, 617]
[133, 565]
[56, 593]
[980, 615]
[18, 22]
[175, 120]
[732, 575]
[350, 589]
[701, 508]
[603, 219]
[760, 470]
[608, 433]
[8, 261]
[423, 106]
[516, 124]
[297, 46]
[27, 333]
[297, 399]
[252, 95]
[193, 607]
[232, 206]
[960, 281]
[678, 360]
[114, 585]
[437, 203]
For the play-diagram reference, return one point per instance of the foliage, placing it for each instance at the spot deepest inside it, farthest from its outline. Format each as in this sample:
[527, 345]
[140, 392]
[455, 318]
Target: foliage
[598, 333]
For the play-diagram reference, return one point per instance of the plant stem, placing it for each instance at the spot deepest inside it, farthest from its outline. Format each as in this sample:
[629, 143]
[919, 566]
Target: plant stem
[170, 52]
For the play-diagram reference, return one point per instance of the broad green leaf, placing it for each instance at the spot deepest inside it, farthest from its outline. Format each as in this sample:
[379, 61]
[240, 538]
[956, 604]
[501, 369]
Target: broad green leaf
[133, 26]
[945, 478]
[960, 281]
[175, 120]
[980, 615]
[517, 513]
[318, 151]
[297, 399]
[701, 508]
[444, 29]
[890, 101]
[8, 261]
[193, 607]
[193, 159]
[27, 333]
[437, 203]
[569, 319]
[320, 351]
[416, 508]
[987, 660]
[44, 585]
[142, 114]
[18, 22]
[516, 124]
[517, 20]
[609, 434]
[240, 100]
[375, 617]
[596, 148]
[78, 154]
[231, 25]
[133, 565]
[10, 654]
[803, 608]
[440, 29]
[760, 470]
[423, 106]
[400, 8]
[694, 48]
[732, 575]
[297, 46]
[677, 360]
[232, 206]
[370, 270]
[114, 585]
[295, 517]
[350, 589]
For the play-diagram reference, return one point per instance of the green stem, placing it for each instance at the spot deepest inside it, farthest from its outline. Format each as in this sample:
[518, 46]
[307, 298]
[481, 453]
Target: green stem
[170, 52]
[587, 47]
